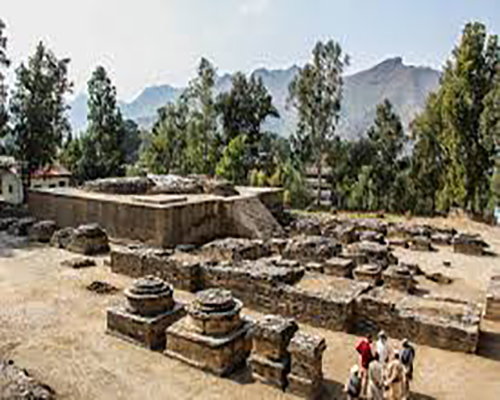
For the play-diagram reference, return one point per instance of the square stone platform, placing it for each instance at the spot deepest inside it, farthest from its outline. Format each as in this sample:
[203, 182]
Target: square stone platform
[147, 331]
[218, 355]
[492, 309]
[270, 372]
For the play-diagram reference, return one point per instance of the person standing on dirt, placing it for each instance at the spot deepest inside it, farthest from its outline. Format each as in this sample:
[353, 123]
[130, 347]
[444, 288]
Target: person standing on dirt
[353, 385]
[375, 379]
[407, 356]
[384, 349]
[396, 377]
[364, 349]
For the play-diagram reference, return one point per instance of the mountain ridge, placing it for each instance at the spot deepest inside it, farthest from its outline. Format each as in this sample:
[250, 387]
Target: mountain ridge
[406, 86]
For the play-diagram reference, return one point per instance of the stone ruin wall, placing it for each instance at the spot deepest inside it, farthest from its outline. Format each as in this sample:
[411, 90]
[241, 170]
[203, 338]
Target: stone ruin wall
[163, 226]
[357, 310]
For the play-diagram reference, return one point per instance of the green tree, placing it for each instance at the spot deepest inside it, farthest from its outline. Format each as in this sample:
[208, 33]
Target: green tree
[106, 130]
[244, 109]
[427, 164]
[316, 93]
[467, 147]
[167, 143]
[388, 138]
[4, 63]
[38, 110]
[232, 165]
[201, 92]
[131, 142]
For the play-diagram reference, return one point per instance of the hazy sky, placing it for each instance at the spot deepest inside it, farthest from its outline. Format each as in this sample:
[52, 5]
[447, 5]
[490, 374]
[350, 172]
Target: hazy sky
[144, 42]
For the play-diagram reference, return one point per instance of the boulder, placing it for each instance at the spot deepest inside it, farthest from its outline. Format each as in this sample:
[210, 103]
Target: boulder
[5, 223]
[306, 226]
[89, 240]
[421, 243]
[129, 185]
[235, 249]
[175, 184]
[469, 244]
[21, 226]
[16, 383]
[79, 262]
[441, 239]
[371, 236]
[42, 231]
[62, 238]
[370, 252]
[311, 248]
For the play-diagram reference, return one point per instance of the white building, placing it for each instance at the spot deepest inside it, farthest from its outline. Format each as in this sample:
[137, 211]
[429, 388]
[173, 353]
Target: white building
[46, 178]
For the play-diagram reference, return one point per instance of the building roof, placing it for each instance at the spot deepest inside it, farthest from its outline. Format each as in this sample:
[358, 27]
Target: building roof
[53, 171]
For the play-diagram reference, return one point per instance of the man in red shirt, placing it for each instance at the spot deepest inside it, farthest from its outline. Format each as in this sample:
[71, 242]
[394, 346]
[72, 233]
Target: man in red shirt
[364, 349]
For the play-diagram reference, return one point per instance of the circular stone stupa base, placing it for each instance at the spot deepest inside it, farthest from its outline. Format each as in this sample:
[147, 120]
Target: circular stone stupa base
[150, 296]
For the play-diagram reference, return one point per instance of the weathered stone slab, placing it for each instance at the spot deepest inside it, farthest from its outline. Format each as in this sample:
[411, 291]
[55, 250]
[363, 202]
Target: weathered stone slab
[306, 370]
[235, 249]
[138, 261]
[492, 309]
[468, 244]
[373, 253]
[312, 248]
[420, 243]
[270, 360]
[21, 226]
[399, 277]
[79, 262]
[89, 240]
[62, 238]
[340, 267]
[271, 336]
[42, 231]
[270, 372]
[371, 274]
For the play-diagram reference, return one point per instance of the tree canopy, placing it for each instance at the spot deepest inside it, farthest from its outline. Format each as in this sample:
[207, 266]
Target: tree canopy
[38, 109]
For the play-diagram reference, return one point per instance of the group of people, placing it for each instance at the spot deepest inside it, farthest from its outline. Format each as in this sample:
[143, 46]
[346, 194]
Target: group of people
[383, 373]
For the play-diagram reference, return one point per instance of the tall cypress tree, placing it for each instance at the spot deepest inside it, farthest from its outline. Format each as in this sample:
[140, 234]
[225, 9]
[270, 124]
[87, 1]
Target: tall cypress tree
[38, 110]
[316, 93]
[105, 131]
[468, 152]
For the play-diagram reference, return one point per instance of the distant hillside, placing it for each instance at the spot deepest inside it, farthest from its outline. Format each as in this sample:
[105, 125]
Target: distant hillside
[405, 86]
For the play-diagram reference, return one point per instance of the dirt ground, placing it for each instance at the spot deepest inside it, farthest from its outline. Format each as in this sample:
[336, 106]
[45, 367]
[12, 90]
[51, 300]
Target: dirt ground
[55, 328]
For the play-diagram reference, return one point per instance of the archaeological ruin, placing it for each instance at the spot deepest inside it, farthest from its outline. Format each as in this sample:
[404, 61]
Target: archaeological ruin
[150, 309]
[232, 248]
[213, 336]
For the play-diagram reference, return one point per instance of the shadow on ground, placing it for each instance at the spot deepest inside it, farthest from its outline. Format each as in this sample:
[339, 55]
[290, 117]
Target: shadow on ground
[489, 345]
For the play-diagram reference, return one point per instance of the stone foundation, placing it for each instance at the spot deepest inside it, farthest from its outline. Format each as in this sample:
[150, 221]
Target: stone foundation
[340, 267]
[212, 337]
[468, 244]
[136, 261]
[233, 249]
[306, 373]
[371, 274]
[270, 360]
[492, 309]
[279, 286]
[437, 323]
[151, 309]
[399, 277]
